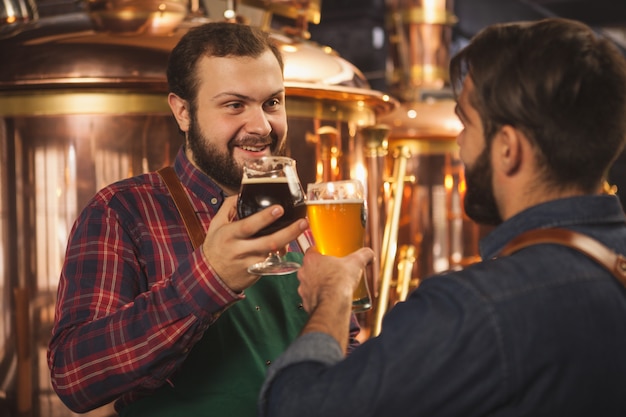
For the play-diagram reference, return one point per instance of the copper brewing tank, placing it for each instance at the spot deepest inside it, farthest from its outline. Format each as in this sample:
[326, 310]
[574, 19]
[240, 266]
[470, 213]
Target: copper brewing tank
[83, 104]
[429, 232]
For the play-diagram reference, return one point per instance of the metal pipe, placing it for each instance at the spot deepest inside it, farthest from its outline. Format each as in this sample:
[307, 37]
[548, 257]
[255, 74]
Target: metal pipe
[406, 259]
[375, 141]
[390, 236]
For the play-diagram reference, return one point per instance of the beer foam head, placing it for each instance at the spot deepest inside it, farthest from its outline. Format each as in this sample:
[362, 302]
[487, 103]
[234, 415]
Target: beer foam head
[336, 190]
[358, 201]
[264, 180]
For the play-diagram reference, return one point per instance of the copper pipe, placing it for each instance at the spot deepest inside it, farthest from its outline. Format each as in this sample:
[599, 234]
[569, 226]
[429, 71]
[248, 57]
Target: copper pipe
[375, 140]
[406, 259]
[329, 154]
[390, 236]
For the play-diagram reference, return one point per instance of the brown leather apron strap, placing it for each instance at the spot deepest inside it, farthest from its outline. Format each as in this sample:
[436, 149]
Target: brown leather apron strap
[192, 224]
[614, 262]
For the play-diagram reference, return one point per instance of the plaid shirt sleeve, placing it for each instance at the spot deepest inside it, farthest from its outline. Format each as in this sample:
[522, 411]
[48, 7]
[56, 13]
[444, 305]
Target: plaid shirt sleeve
[133, 298]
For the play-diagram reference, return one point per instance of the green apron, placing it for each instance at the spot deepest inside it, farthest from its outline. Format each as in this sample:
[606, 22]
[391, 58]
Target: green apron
[225, 370]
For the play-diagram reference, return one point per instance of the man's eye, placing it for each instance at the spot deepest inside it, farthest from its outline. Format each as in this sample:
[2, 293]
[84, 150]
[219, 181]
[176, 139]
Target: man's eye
[273, 102]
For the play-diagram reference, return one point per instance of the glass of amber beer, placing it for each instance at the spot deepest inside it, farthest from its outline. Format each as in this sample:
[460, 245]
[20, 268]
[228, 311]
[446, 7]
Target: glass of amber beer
[337, 217]
[267, 181]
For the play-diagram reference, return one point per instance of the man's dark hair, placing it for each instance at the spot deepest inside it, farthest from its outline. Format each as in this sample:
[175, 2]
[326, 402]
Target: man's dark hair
[220, 39]
[559, 83]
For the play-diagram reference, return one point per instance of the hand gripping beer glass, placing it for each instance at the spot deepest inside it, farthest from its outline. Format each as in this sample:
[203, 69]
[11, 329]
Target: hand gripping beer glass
[337, 218]
[266, 181]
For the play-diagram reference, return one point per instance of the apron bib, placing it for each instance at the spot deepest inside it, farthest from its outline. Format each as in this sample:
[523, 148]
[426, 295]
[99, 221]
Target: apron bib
[224, 371]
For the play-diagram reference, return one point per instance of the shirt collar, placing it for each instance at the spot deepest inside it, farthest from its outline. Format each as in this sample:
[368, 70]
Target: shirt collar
[565, 212]
[196, 181]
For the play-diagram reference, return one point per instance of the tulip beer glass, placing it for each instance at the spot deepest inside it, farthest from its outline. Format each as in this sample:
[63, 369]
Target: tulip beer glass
[337, 217]
[266, 181]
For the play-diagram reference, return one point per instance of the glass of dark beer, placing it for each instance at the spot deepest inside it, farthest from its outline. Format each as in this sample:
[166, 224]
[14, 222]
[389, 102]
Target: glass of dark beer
[266, 181]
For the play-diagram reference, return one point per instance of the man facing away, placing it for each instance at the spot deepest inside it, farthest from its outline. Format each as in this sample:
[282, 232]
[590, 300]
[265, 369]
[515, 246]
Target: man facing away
[143, 318]
[539, 332]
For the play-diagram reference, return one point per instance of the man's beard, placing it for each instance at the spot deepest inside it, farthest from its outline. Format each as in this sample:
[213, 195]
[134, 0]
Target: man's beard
[480, 203]
[220, 166]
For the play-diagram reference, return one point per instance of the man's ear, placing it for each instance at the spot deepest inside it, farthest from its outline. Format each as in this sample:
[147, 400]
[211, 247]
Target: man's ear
[508, 149]
[180, 109]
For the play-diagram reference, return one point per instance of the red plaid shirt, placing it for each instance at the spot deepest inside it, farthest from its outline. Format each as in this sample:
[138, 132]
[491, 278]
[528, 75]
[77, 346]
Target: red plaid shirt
[134, 297]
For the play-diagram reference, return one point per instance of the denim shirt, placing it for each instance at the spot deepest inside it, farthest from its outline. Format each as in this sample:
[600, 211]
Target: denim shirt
[539, 333]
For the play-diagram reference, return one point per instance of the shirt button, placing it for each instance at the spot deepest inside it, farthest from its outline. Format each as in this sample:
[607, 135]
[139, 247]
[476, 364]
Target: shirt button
[257, 308]
[300, 306]
[268, 363]
[214, 200]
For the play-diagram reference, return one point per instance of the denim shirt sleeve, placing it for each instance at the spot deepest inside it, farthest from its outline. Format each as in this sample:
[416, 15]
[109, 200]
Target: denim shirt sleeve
[442, 343]
[310, 347]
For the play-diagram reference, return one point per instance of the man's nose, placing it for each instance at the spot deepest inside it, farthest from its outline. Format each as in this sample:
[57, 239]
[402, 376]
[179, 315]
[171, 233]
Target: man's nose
[258, 123]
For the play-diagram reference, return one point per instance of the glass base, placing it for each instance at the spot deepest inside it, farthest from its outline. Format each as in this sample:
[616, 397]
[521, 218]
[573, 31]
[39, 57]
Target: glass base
[274, 268]
[362, 305]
